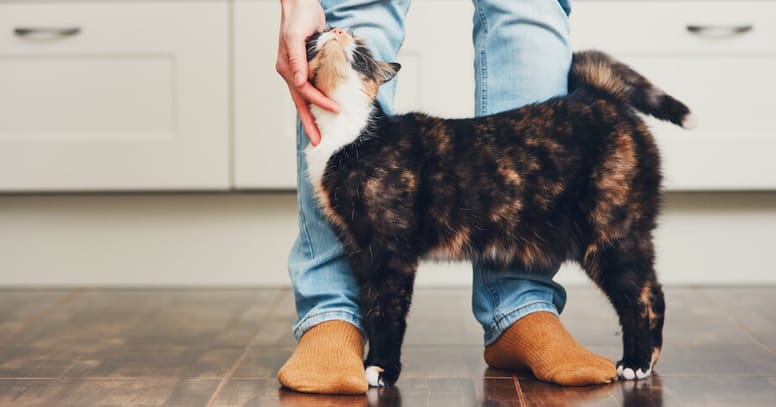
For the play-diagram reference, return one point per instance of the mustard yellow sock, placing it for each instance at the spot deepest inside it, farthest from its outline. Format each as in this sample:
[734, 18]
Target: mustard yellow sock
[328, 359]
[539, 342]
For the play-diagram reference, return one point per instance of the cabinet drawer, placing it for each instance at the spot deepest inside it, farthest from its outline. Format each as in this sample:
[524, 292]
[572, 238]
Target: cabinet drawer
[114, 96]
[726, 78]
[675, 27]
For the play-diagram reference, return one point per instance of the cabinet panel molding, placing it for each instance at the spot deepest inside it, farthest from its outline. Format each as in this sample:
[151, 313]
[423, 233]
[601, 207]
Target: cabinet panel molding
[114, 96]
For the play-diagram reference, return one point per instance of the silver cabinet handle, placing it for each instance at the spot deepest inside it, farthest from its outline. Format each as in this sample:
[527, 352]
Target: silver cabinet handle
[46, 31]
[719, 31]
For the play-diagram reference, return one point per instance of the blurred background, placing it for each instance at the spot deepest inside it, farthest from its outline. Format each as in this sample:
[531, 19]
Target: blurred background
[151, 143]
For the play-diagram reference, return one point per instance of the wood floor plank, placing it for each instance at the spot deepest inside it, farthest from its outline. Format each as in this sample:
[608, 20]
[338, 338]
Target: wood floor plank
[275, 332]
[443, 362]
[752, 308]
[154, 318]
[499, 392]
[267, 392]
[122, 392]
[177, 347]
[421, 392]
[696, 391]
[679, 391]
[36, 392]
[105, 392]
[263, 362]
[728, 360]
[19, 309]
[439, 392]
[191, 392]
[30, 362]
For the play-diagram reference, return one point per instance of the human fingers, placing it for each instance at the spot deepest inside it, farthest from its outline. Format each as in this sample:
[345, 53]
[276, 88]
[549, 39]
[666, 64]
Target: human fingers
[314, 96]
[306, 117]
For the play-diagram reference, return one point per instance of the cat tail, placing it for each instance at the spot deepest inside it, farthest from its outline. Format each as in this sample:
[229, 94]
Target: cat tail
[597, 70]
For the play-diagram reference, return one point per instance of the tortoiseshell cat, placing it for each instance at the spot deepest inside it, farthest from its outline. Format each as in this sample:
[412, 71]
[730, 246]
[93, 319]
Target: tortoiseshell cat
[575, 177]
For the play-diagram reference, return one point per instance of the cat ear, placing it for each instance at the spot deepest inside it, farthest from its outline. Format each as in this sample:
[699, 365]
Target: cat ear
[386, 71]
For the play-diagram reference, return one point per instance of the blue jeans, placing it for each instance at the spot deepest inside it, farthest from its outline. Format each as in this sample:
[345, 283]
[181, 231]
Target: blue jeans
[522, 55]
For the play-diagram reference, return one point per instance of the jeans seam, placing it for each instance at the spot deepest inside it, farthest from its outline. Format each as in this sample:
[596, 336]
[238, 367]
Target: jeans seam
[483, 17]
[301, 172]
[483, 83]
[306, 232]
[483, 72]
[493, 294]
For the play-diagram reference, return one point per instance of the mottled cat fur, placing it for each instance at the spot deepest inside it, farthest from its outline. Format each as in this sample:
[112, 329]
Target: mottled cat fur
[576, 177]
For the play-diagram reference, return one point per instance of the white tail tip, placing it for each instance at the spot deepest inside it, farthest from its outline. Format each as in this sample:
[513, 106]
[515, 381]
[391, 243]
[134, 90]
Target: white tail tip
[689, 122]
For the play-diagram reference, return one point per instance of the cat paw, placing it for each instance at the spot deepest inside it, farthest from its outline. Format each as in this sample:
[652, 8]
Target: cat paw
[373, 374]
[632, 373]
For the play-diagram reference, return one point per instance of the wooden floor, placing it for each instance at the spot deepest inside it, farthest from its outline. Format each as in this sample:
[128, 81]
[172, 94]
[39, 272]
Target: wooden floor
[224, 348]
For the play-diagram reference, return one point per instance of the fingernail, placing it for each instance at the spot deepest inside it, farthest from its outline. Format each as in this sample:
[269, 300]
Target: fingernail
[299, 79]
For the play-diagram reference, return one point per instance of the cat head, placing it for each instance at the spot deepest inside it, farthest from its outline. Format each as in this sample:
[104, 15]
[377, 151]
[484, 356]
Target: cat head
[338, 59]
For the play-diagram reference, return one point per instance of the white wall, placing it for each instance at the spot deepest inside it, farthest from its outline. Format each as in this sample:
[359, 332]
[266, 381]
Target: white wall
[243, 239]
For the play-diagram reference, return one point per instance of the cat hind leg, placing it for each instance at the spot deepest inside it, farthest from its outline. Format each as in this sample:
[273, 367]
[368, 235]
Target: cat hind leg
[624, 271]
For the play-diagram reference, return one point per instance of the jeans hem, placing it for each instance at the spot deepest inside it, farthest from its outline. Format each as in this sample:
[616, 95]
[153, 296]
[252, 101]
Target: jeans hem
[504, 322]
[314, 319]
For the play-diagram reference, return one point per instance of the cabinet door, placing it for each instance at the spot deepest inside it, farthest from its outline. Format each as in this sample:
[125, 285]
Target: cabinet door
[264, 116]
[437, 59]
[719, 58]
[114, 96]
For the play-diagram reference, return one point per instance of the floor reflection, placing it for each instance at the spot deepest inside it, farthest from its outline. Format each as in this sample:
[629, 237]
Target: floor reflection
[494, 391]
[375, 397]
[290, 398]
[647, 392]
[383, 397]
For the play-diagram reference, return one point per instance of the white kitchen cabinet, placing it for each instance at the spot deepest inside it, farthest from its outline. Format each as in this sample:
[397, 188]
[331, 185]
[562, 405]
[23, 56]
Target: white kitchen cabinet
[117, 95]
[717, 57]
[720, 59]
[264, 116]
[437, 59]
[146, 95]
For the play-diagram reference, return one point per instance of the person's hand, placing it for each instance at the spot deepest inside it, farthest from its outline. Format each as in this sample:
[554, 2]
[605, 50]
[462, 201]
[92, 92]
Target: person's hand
[299, 20]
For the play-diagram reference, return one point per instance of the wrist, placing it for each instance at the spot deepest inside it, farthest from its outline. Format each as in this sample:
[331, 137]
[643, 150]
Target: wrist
[295, 9]
[294, 3]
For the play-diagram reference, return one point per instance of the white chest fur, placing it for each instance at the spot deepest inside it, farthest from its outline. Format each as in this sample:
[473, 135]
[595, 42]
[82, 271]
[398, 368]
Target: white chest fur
[338, 129]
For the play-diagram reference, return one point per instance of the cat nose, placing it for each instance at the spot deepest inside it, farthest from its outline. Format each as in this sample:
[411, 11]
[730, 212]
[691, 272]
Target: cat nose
[338, 31]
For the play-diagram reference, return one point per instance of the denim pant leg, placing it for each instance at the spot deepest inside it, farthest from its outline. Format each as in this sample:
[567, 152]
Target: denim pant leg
[324, 287]
[522, 55]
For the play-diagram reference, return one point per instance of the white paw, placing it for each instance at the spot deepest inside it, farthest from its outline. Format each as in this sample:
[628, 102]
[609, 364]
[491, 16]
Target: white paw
[373, 376]
[631, 374]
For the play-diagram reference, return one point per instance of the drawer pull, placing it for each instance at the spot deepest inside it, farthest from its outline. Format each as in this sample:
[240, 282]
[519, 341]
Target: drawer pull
[719, 31]
[46, 31]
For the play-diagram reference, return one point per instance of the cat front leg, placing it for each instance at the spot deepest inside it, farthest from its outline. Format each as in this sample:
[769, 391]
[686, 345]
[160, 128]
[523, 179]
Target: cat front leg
[386, 295]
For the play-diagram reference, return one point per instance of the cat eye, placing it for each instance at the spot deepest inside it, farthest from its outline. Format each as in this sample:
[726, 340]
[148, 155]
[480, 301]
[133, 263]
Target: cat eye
[362, 61]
